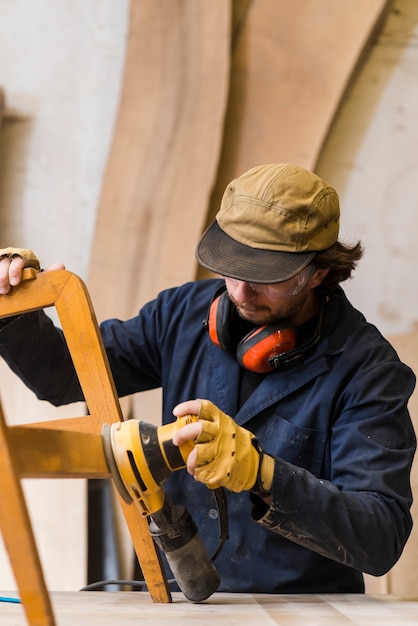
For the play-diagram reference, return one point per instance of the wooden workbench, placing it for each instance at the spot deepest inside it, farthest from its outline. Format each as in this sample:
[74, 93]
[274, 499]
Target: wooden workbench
[98, 608]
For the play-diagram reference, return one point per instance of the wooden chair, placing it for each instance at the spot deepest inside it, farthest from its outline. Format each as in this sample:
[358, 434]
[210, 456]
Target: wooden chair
[63, 448]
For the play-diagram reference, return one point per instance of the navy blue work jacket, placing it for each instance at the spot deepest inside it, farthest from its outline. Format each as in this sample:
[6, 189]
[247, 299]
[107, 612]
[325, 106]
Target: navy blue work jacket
[336, 422]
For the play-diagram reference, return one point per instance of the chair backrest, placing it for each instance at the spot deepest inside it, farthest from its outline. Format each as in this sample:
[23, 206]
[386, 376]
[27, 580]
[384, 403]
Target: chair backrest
[63, 447]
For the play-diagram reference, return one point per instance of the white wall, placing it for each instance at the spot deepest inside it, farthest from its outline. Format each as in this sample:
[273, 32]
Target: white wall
[61, 68]
[371, 158]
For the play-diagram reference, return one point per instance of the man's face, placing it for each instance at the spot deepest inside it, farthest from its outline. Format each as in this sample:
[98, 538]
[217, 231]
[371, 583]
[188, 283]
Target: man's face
[266, 304]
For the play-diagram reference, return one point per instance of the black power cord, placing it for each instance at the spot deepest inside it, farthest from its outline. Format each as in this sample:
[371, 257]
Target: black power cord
[221, 506]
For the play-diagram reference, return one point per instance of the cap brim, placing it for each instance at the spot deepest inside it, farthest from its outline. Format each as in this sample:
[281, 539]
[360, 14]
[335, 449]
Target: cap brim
[225, 256]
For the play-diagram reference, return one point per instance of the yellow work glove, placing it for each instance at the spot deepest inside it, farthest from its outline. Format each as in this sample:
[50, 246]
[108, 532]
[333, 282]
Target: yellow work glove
[229, 456]
[27, 255]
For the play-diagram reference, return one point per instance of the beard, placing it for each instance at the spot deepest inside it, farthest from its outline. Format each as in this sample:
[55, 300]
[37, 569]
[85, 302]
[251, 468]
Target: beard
[260, 314]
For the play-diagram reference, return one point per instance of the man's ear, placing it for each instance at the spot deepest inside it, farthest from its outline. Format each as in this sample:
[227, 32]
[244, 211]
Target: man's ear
[317, 278]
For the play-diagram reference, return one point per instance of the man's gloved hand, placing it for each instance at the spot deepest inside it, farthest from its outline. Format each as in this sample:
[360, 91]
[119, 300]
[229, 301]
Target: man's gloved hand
[28, 256]
[12, 263]
[225, 454]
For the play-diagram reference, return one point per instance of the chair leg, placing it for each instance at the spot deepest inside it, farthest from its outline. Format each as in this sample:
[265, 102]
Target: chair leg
[19, 538]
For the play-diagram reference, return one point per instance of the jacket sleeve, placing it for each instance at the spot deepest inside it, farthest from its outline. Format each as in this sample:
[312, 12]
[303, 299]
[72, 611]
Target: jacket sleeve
[359, 514]
[37, 352]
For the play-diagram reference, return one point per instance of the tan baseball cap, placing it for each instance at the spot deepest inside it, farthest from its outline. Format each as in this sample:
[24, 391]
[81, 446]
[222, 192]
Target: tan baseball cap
[272, 221]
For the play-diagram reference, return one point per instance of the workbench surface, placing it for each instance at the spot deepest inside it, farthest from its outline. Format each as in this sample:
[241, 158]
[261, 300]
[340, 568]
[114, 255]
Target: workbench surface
[98, 608]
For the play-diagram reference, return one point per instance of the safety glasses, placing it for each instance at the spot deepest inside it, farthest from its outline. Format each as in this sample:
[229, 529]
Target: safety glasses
[290, 287]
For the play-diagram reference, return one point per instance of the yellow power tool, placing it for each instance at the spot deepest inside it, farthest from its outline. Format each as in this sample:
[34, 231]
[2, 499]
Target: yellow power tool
[140, 458]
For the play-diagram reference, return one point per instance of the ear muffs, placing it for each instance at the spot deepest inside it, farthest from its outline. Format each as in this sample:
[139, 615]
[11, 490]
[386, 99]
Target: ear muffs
[260, 348]
[220, 321]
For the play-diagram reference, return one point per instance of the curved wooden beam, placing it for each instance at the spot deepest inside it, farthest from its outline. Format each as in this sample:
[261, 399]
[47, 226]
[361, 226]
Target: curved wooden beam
[291, 65]
[164, 154]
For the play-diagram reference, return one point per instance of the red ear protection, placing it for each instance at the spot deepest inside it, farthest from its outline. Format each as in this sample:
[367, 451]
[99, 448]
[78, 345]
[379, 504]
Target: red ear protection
[260, 348]
[220, 321]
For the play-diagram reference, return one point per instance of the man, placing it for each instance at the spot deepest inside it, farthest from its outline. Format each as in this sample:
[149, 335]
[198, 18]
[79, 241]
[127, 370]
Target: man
[316, 457]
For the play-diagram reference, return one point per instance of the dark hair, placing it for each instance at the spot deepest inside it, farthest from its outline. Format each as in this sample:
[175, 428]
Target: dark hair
[340, 259]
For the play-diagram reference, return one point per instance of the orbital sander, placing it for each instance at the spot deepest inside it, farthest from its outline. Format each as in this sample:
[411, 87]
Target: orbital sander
[140, 458]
